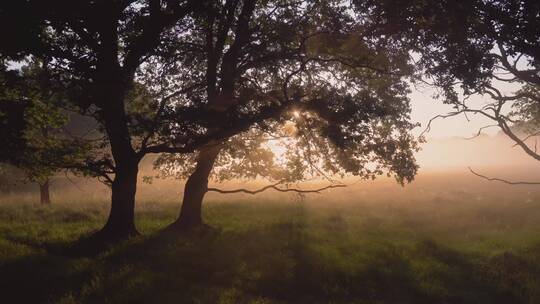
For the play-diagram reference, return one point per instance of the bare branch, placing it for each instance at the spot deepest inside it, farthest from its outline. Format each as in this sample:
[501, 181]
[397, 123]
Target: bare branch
[527, 138]
[494, 179]
[275, 187]
[480, 132]
[463, 110]
[443, 116]
[508, 131]
[513, 79]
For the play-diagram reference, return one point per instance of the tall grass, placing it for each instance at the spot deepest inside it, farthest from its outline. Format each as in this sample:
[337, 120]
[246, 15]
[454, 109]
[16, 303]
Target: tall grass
[440, 250]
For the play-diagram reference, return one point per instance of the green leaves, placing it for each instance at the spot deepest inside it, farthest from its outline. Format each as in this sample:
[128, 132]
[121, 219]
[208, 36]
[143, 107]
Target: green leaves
[319, 90]
[39, 142]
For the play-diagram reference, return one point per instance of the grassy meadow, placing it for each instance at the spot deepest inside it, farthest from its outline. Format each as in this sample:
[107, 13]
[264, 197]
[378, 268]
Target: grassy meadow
[430, 243]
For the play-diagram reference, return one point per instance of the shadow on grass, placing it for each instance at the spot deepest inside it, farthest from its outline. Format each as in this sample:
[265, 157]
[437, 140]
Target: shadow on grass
[283, 262]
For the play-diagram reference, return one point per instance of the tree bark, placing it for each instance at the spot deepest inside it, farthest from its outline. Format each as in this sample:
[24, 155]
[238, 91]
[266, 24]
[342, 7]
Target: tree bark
[112, 84]
[45, 197]
[121, 221]
[195, 189]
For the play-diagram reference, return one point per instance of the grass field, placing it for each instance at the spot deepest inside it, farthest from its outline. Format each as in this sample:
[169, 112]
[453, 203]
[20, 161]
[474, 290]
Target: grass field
[437, 251]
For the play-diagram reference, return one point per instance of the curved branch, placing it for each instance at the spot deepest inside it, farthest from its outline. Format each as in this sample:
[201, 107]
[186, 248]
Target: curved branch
[494, 179]
[464, 111]
[479, 133]
[508, 131]
[528, 137]
[525, 75]
[275, 187]
[442, 116]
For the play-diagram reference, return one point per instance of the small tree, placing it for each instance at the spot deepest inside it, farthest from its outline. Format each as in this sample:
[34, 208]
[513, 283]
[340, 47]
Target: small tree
[33, 123]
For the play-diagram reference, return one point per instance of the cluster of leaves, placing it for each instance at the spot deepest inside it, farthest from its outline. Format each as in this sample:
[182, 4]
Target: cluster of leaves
[233, 72]
[35, 139]
[526, 110]
[481, 47]
[319, 66]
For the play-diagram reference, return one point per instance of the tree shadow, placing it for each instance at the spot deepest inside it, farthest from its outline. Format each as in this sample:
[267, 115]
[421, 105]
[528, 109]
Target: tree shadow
[279, 262]
[41, 277]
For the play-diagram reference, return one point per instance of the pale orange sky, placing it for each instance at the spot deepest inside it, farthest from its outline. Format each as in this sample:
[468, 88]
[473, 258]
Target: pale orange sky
[424, 107]
[446, 147]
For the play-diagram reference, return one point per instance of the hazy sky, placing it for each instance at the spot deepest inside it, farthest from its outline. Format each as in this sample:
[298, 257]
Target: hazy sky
[424, 107]
[447, 147]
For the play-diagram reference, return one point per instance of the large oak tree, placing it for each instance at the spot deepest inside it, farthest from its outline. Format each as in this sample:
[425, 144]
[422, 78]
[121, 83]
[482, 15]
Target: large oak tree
[250, 67]
[189, 77]
[95, 48]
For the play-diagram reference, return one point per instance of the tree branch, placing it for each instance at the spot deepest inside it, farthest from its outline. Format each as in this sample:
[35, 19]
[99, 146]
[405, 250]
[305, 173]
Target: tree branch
[526, 75]
[157, 21]
[494, 179]
[275, 187]
[480, 132]
[443, 116]
[508, 131]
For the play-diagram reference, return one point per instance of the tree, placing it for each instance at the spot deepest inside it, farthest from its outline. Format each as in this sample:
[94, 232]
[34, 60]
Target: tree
[33, 125]
[189, 76]
[326, 69]
[499, 47]
[95, 48]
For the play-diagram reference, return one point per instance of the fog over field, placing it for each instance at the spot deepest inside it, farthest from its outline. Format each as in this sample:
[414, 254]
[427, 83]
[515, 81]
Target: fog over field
[443, 172]
[442, 236]
[449, 236]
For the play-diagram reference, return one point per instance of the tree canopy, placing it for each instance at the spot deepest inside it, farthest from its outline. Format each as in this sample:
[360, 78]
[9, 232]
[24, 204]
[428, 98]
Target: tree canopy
[481, 48]
[249, 68]
[316, 67]
[208, 84]
[34, 135]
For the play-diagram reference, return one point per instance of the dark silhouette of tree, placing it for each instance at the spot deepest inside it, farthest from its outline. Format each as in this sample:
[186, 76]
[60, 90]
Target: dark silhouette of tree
[32, 134]
[481, 47]
[189, 78]
[251, 67]
[95, 48]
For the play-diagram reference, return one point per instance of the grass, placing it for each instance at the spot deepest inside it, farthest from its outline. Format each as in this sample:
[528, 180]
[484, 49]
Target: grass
[435, 251]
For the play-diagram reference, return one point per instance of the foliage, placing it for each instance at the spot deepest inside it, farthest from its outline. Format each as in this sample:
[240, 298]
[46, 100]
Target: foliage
[43, 147]
[317, 66]
[527, 109]
[186, 74]
[481, 47]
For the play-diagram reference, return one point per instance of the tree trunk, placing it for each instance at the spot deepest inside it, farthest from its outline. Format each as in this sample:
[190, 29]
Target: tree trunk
[45, 197]
[195, 189]
[121, 221]
[112, 84]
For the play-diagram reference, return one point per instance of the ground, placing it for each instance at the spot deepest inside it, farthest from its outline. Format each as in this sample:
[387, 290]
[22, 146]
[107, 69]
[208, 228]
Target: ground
[462, 250]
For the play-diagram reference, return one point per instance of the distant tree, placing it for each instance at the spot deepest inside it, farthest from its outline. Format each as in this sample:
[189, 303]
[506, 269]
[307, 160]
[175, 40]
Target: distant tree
[33, 138]
[322, 74]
